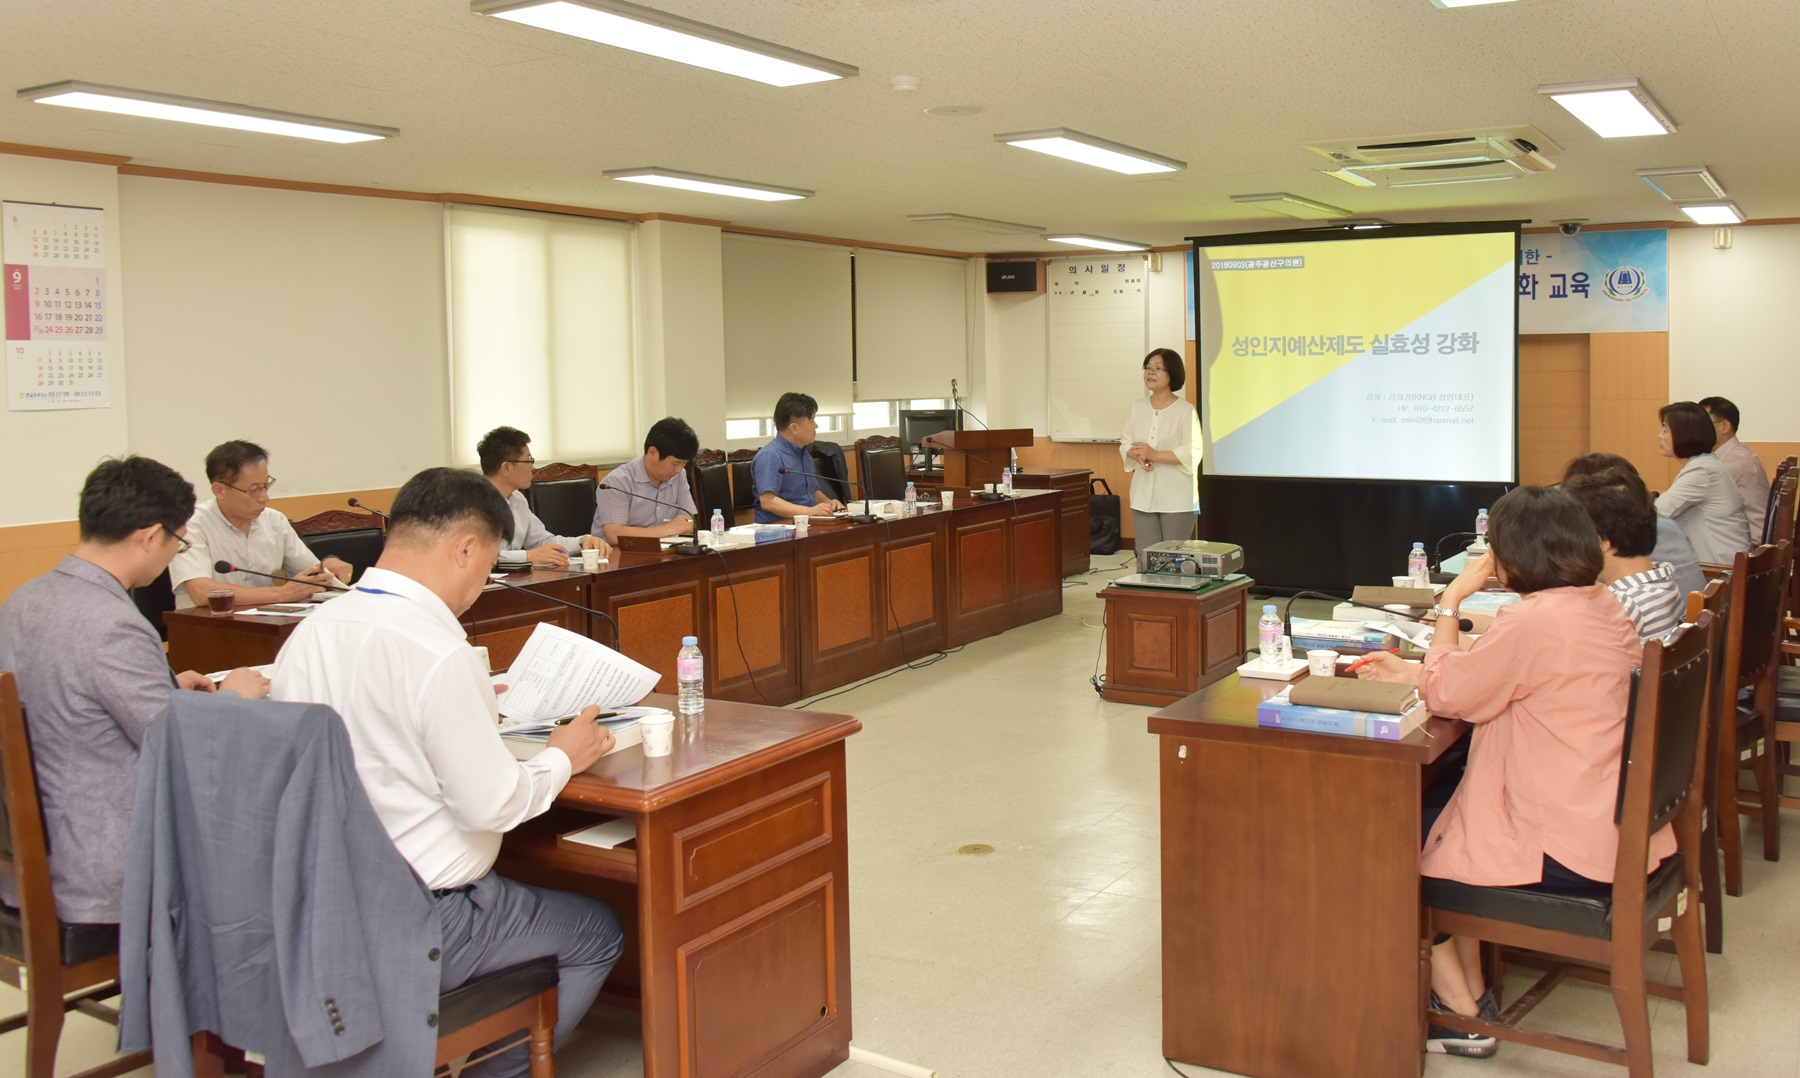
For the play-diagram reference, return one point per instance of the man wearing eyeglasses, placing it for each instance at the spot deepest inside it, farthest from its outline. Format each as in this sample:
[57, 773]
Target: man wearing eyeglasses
[239, 527]
[506, 460]
[93, 677]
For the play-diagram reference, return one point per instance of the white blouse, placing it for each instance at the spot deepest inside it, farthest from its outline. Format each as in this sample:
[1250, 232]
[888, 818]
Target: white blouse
[1166, 488]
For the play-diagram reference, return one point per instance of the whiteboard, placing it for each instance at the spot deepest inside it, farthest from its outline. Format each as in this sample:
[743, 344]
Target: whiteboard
[1099, 328]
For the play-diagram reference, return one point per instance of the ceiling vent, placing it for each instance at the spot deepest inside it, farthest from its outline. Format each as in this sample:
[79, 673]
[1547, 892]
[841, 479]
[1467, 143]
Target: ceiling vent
[1445, 157]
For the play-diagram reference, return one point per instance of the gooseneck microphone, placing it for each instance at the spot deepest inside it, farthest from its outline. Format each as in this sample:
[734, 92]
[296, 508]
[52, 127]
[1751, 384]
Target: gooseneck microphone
[562, 602]
[223, 567]
[1287, 619]
[864, 517]
[956, 402]
[981, 495]
[357, 504]
[690, 547]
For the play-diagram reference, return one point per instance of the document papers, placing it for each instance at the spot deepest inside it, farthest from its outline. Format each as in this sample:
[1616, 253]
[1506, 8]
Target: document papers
[559, 673]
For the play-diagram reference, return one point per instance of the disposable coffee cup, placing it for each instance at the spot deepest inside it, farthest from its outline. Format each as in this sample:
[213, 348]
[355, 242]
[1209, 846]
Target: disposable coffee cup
[802, 525]
[1322, 663]
[1405, 582]
[590, 560]
[949, 499]
[659, 734]
[487, 662]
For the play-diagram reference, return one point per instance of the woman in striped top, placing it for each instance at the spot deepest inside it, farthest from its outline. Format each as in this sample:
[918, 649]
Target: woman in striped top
[1619, 505]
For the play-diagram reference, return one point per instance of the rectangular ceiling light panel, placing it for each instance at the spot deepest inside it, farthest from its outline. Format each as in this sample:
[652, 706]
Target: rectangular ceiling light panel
[1101, 243]
[1291, 205]
[1687, 184]
[1091, 150]
[1620, 108]
[669, 37]
[974, 224]
[712, 185]
[193, 110]
[1716, 212]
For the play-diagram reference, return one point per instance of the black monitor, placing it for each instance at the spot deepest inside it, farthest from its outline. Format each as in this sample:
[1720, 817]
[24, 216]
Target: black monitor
[918, 424]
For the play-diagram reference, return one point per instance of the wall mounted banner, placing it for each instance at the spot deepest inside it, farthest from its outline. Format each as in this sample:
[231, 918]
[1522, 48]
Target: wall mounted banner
[1594, 282]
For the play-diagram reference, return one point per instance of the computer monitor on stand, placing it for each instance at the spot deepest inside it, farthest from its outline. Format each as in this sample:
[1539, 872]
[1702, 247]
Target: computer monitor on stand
[918, 424]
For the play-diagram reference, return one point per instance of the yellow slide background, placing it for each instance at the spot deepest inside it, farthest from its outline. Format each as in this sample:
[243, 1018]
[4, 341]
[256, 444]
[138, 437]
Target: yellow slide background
[1359, 287]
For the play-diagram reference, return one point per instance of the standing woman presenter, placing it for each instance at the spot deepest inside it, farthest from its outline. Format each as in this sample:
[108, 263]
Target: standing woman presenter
[1161, 447]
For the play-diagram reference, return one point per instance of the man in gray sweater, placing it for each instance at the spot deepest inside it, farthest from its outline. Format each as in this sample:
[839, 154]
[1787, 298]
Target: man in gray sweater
[92, 676]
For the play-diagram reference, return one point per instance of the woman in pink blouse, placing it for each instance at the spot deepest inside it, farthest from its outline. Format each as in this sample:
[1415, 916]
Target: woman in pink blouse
[1546, 689]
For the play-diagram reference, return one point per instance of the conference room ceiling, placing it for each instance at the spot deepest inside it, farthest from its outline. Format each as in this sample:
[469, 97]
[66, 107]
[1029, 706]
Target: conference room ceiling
[1235, 89]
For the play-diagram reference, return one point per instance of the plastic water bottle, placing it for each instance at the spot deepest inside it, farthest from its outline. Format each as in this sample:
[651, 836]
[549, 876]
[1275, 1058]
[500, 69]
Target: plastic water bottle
[1268, 638]
[1006, 481]
[1418, 566]
[718, 527]
[690, 678]
[912, 499]
[1481, 528]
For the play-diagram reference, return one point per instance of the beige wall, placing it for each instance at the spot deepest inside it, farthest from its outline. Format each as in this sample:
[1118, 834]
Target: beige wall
[1734, 325]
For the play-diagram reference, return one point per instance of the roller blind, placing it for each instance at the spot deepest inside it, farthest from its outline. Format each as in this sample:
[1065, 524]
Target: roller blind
[912, 325]
[787, 324]
[541, 333]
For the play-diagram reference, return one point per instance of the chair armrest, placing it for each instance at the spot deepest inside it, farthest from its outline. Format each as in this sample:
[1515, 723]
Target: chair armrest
[1711, 570]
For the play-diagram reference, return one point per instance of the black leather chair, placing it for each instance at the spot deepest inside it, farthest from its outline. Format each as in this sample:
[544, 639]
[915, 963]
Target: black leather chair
[743, 483]
[884, 473]
[154, 600]
[39, 954]
[1607, 935]
[361, 547]
[828, 461]
[712, 490]
[566, 506]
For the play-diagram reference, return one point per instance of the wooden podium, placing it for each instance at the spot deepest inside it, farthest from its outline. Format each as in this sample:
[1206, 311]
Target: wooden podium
[975, 457]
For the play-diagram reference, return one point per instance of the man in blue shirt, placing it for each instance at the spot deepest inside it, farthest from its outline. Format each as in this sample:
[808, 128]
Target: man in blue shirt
[792, 494]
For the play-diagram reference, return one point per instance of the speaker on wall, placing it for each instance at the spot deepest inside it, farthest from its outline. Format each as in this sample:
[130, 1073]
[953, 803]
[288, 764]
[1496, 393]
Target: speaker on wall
[1015, 276]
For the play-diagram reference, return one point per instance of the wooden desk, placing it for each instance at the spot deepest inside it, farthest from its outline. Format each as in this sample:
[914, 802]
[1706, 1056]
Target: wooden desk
[734, 896]
[1163, 645]
[1290, 886]
[1077, 487]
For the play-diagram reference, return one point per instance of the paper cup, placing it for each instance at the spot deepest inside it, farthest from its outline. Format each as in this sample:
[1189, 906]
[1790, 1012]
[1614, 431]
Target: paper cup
[1405, 582]
[590, 560]
[487, 663]
[1322, 663]
[802, 526]
[949, 499]
[659, 734]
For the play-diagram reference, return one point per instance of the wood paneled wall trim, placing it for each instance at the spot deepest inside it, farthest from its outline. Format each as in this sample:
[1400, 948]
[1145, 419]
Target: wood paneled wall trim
[22, 150]
[160, 173]
[746, 230]
[1629, 383]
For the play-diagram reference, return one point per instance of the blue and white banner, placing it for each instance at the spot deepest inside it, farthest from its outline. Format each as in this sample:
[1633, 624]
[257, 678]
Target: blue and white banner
[1594, 282]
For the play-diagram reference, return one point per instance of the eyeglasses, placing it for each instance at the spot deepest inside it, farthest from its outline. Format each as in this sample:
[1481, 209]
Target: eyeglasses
[184, 546]
[260, 488]
[527, 460]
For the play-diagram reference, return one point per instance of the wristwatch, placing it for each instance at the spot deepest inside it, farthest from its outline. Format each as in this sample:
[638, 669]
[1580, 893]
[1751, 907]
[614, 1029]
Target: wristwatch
[1444, 612]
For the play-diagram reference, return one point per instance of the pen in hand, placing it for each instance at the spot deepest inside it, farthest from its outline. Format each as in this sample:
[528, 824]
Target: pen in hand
[1364, 661]
[567, 719]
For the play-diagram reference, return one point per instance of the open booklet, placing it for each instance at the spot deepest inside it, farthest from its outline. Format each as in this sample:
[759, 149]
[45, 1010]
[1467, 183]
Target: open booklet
[559, 672]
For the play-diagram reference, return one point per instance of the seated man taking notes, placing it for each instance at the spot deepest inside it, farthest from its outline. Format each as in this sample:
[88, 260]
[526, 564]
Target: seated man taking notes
[238, 526]
[791, 493]
[506, 460]
[392, 659]
[663, 504]
[93, 677]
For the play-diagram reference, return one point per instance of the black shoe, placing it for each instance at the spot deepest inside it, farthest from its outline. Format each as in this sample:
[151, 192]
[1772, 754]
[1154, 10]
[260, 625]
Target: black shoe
[1490, 1010]
[1450, 1042]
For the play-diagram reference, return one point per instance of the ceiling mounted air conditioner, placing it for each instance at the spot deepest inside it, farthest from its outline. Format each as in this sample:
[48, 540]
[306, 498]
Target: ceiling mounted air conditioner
[1444, 157]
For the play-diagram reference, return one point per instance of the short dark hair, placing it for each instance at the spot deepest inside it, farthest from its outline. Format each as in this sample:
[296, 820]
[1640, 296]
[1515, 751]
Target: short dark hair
[672, 439]
[1172, 363]
[126, 493]
[1544, 539]
[1720, 408]
[794, 406]
[497, 447]
[1594, 463]
[439, 499]
[228, 460]
[1691, 431]
[1619, 505]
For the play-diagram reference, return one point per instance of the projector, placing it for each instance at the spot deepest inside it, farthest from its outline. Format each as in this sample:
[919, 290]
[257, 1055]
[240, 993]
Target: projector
[1194, 557]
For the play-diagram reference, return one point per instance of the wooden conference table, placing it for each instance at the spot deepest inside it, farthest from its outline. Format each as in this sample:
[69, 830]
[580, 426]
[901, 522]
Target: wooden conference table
[734, 894]
[777, 622]
[1290, 885]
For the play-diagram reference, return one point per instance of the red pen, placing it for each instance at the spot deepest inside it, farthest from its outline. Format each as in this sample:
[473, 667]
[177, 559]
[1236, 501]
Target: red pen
[1364, 661]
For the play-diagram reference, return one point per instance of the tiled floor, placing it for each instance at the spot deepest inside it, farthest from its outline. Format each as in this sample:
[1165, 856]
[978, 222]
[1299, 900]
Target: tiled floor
[1042, 958]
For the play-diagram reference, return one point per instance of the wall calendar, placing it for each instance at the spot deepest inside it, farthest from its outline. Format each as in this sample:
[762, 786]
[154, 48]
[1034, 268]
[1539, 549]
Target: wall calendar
[57, 305]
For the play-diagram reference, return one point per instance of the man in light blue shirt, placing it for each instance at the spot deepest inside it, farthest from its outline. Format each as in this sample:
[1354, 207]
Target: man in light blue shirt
[793, 492]
[506, 460]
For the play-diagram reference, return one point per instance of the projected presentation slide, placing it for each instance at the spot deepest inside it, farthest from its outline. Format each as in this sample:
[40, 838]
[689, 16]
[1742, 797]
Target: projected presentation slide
[1379, 358]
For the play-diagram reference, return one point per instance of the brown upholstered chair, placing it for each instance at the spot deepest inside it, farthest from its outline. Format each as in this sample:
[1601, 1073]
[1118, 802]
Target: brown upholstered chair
[743, 486]
[1758, 583]
[39, 955]
[355, 537]
[1606, 937]
[562, 496]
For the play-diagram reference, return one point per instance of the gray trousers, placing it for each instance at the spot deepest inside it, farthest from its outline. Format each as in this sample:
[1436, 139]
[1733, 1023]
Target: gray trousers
[496, 923]
[1148, 528]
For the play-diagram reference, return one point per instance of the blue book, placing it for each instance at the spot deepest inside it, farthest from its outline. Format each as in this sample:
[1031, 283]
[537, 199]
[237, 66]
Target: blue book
[1281, 713]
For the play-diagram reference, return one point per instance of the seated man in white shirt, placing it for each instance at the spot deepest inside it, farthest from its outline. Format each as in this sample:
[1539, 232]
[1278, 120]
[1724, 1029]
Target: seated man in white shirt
[649, 496]
[1745, 467]
[238, 526]
[392, 659]
[506, 460]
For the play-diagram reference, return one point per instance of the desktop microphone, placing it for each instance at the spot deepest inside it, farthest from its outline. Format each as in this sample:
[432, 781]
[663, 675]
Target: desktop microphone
[223, 567]
[692, 546]
[956, 402]
[357, 504]
[981, 495]
[1287, 620]
[563, 602]
[864, 517]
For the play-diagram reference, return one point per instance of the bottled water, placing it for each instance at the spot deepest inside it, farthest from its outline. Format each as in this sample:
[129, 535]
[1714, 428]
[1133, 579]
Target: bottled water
[1418, 566]
[1481, 529]
[912, 499]
[718, 525]
[1006, 481]
[690, 678]
[1268, 637]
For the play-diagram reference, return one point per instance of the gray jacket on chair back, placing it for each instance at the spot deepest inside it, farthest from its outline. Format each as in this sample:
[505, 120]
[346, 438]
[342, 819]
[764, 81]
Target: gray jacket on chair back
[264, 901]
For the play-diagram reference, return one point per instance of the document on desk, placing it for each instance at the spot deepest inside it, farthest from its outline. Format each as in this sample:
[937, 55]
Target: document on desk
[559, 673]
